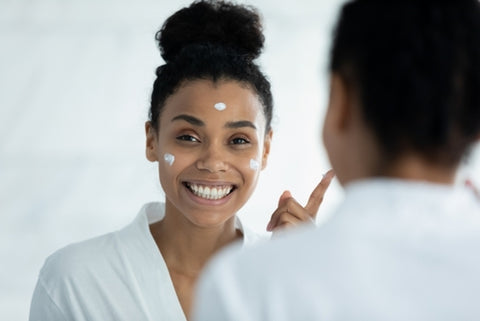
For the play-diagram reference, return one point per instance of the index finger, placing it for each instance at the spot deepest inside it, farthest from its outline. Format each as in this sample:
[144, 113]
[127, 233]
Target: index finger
[316, 198]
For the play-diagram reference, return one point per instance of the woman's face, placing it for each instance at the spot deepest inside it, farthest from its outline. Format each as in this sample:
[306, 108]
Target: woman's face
[210, 146]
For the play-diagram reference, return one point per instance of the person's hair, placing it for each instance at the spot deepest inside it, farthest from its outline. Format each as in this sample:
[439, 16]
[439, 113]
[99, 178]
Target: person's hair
[212, 40]
[414, 66]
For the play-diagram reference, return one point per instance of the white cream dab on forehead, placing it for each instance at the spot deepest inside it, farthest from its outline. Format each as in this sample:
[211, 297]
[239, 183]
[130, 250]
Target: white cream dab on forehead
[169, 158]
[220, 106]
[254, 164]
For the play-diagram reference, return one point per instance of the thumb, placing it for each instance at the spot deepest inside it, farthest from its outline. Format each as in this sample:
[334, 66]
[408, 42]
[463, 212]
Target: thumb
[285, 196]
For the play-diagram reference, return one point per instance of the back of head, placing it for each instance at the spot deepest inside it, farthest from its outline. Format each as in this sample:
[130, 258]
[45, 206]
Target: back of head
[415, 68]
[211, 40]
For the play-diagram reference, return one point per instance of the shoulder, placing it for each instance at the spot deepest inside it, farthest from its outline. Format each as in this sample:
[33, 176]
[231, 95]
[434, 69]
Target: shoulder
[242, 281]
[265, 259]
[74, 260]
[297, 249]
[102, 253]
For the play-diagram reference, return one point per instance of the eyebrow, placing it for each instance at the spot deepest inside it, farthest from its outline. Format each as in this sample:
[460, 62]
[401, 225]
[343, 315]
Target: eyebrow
[189, 119]
[197, 122]
[240, 124]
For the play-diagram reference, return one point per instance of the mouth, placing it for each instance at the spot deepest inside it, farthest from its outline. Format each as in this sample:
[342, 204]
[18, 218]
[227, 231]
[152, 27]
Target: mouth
[210, 192]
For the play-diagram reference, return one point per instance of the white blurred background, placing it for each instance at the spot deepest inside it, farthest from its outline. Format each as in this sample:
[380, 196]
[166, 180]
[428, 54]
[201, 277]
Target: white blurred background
[75, 81]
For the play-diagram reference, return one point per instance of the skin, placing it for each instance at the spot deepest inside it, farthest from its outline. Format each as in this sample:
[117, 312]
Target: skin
[291, 213]
[211, 148]
[354, 152]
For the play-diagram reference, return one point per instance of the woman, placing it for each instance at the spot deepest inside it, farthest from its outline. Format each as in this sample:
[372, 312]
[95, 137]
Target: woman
[209, 130]
[403, 113]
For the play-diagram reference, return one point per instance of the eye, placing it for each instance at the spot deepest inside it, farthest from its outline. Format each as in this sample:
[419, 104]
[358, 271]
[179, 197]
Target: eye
[187, 138]
[239, 141]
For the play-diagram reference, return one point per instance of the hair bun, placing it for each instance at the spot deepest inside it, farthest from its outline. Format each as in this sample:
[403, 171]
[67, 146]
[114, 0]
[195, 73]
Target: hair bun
[219, 23]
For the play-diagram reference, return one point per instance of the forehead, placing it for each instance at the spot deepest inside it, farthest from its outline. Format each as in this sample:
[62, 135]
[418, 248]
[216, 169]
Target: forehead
[198, 98]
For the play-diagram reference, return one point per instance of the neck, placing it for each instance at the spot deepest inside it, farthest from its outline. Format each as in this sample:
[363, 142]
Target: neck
[413, 167]
[187, 247]
[409, 166]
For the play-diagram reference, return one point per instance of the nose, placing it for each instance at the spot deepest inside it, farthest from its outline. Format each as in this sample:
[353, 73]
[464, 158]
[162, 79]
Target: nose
[213, 159]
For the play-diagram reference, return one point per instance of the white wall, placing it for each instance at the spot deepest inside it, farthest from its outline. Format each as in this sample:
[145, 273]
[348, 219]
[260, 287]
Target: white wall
[75, 80]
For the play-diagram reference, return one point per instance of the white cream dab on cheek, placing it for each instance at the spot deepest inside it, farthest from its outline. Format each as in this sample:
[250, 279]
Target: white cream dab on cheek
[220, 106]
[254, 164]
[169, 158]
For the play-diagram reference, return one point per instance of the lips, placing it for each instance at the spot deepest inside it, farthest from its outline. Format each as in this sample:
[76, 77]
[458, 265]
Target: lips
[210, 192]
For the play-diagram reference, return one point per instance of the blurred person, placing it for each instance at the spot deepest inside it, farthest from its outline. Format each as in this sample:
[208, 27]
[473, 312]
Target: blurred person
[403, 113]
[209, 129]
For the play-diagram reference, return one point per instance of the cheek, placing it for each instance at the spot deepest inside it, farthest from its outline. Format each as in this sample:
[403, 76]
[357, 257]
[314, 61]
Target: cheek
[171, 164]
[327, 135]
[255, 159]
[250, 166]
[333, 146]
[254, 164]
[330, 147]
[169, 158]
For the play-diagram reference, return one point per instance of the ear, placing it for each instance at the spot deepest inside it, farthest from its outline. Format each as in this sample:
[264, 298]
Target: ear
[151, 142]
[266, 148]
[340, 106]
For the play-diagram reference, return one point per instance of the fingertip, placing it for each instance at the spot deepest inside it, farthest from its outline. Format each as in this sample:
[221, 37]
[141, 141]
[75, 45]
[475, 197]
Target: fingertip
[286, 194]
[328, 175]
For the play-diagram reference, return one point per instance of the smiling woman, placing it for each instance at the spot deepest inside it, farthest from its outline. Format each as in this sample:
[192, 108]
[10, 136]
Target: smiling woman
[211, 177]
[209, 130]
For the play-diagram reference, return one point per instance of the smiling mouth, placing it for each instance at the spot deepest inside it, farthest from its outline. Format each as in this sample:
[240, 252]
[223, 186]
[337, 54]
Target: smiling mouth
[210, 192]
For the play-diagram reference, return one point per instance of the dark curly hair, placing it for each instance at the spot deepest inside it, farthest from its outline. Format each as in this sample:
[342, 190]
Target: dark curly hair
[415, 68]
[213, 40]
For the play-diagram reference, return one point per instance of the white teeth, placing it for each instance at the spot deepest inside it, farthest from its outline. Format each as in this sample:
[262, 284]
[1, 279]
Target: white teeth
[210, 192]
